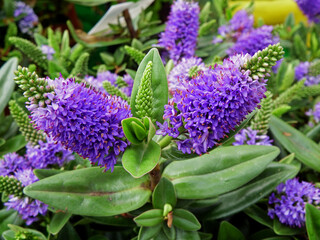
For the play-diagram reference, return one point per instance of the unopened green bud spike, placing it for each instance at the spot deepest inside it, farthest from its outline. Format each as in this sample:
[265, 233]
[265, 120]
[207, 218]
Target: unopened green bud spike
[26, 128]
[81, 66]
[262, 117]
[35, 89]
[144, 98]
[114, 91]
[11, 186]
[136, 55]
[261, 63]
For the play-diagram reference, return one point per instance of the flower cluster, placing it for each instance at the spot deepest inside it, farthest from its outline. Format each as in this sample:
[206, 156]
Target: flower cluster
[48, 153]
[28, 17]
[253, 41]
[246, 38]
[251, 137]
[84, 121]
[48, 51]
[302, 71]
[240, 23]
[290, 199]
[10, 163]
[311, 8]
[314, 114]
[180, 36]
[210, 105]
[96, 82]
[184, 71]
[28, 208]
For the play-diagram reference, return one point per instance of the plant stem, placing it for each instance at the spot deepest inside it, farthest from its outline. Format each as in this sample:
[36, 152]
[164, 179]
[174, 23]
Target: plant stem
[128, 20]
[155, 176]
[165, 141]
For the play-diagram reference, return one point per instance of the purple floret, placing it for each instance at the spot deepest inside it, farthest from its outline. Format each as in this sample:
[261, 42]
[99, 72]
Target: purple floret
[181, 72]
[180, 35]
[249, 136]
[12, 162]
[314, 114]
[28, 208]
[252, 42]
[311, 8]
[302, 72]
[47, 50]
[240, 23]
[289, 200]
[48, 153]
[211, 105]
[29, 18]
[84, 121]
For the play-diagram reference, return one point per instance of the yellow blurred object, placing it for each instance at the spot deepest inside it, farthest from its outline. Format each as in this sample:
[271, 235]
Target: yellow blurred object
[272, 11]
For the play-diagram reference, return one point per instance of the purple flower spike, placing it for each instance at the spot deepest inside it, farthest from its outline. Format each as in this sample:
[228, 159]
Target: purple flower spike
[28, 208]
[211, 104]
[289, 200]
[180, 36]
[252, 42]
[240, 23]
[10, 163]
[311, 8]
[48, 153]
[84, 121]
[302, 72]
[29, 19]
[47, 50]
[251, 137]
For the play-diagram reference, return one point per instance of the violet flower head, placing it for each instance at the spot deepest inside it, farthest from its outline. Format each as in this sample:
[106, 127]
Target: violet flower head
[84, 121]
[12, 162]
[302, 72]
[29, 18]
[311, 8]
[240, 23]
[28, 208]
[249, 136]
[182, 71]
[210, 105]
[47, 50]
[314, 114]
[48, 153]
[252, 42]
[289, 200]
[180, 35]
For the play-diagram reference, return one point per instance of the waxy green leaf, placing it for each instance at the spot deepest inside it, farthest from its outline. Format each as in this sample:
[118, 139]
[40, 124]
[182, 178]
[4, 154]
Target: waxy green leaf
[220, 171]
[185, 220]
[306, 150]
[164, 193]
[313, 222]
[150, 218]
[92, 192]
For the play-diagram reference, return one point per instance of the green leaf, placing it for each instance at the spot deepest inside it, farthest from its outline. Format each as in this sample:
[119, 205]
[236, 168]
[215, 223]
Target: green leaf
[282, 229]
[306, 151]
[314, 133]
[159, 85]
[220, 171]
[169, 232]
[58, 221]
[150, 218]
[44, 173]
[40, 40]
[313, 222]
[147, 233]
[259, 215]
[190, 235]
[12, 145]
[138, 160]
[130, 132]
[36, 234]
[109, 193]
[227, 231]
[185, 220]
[6, 81]
[117, 220]
[8, 217]
[68, 232]
[252, 192]
[89, 2]
[164, 193]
